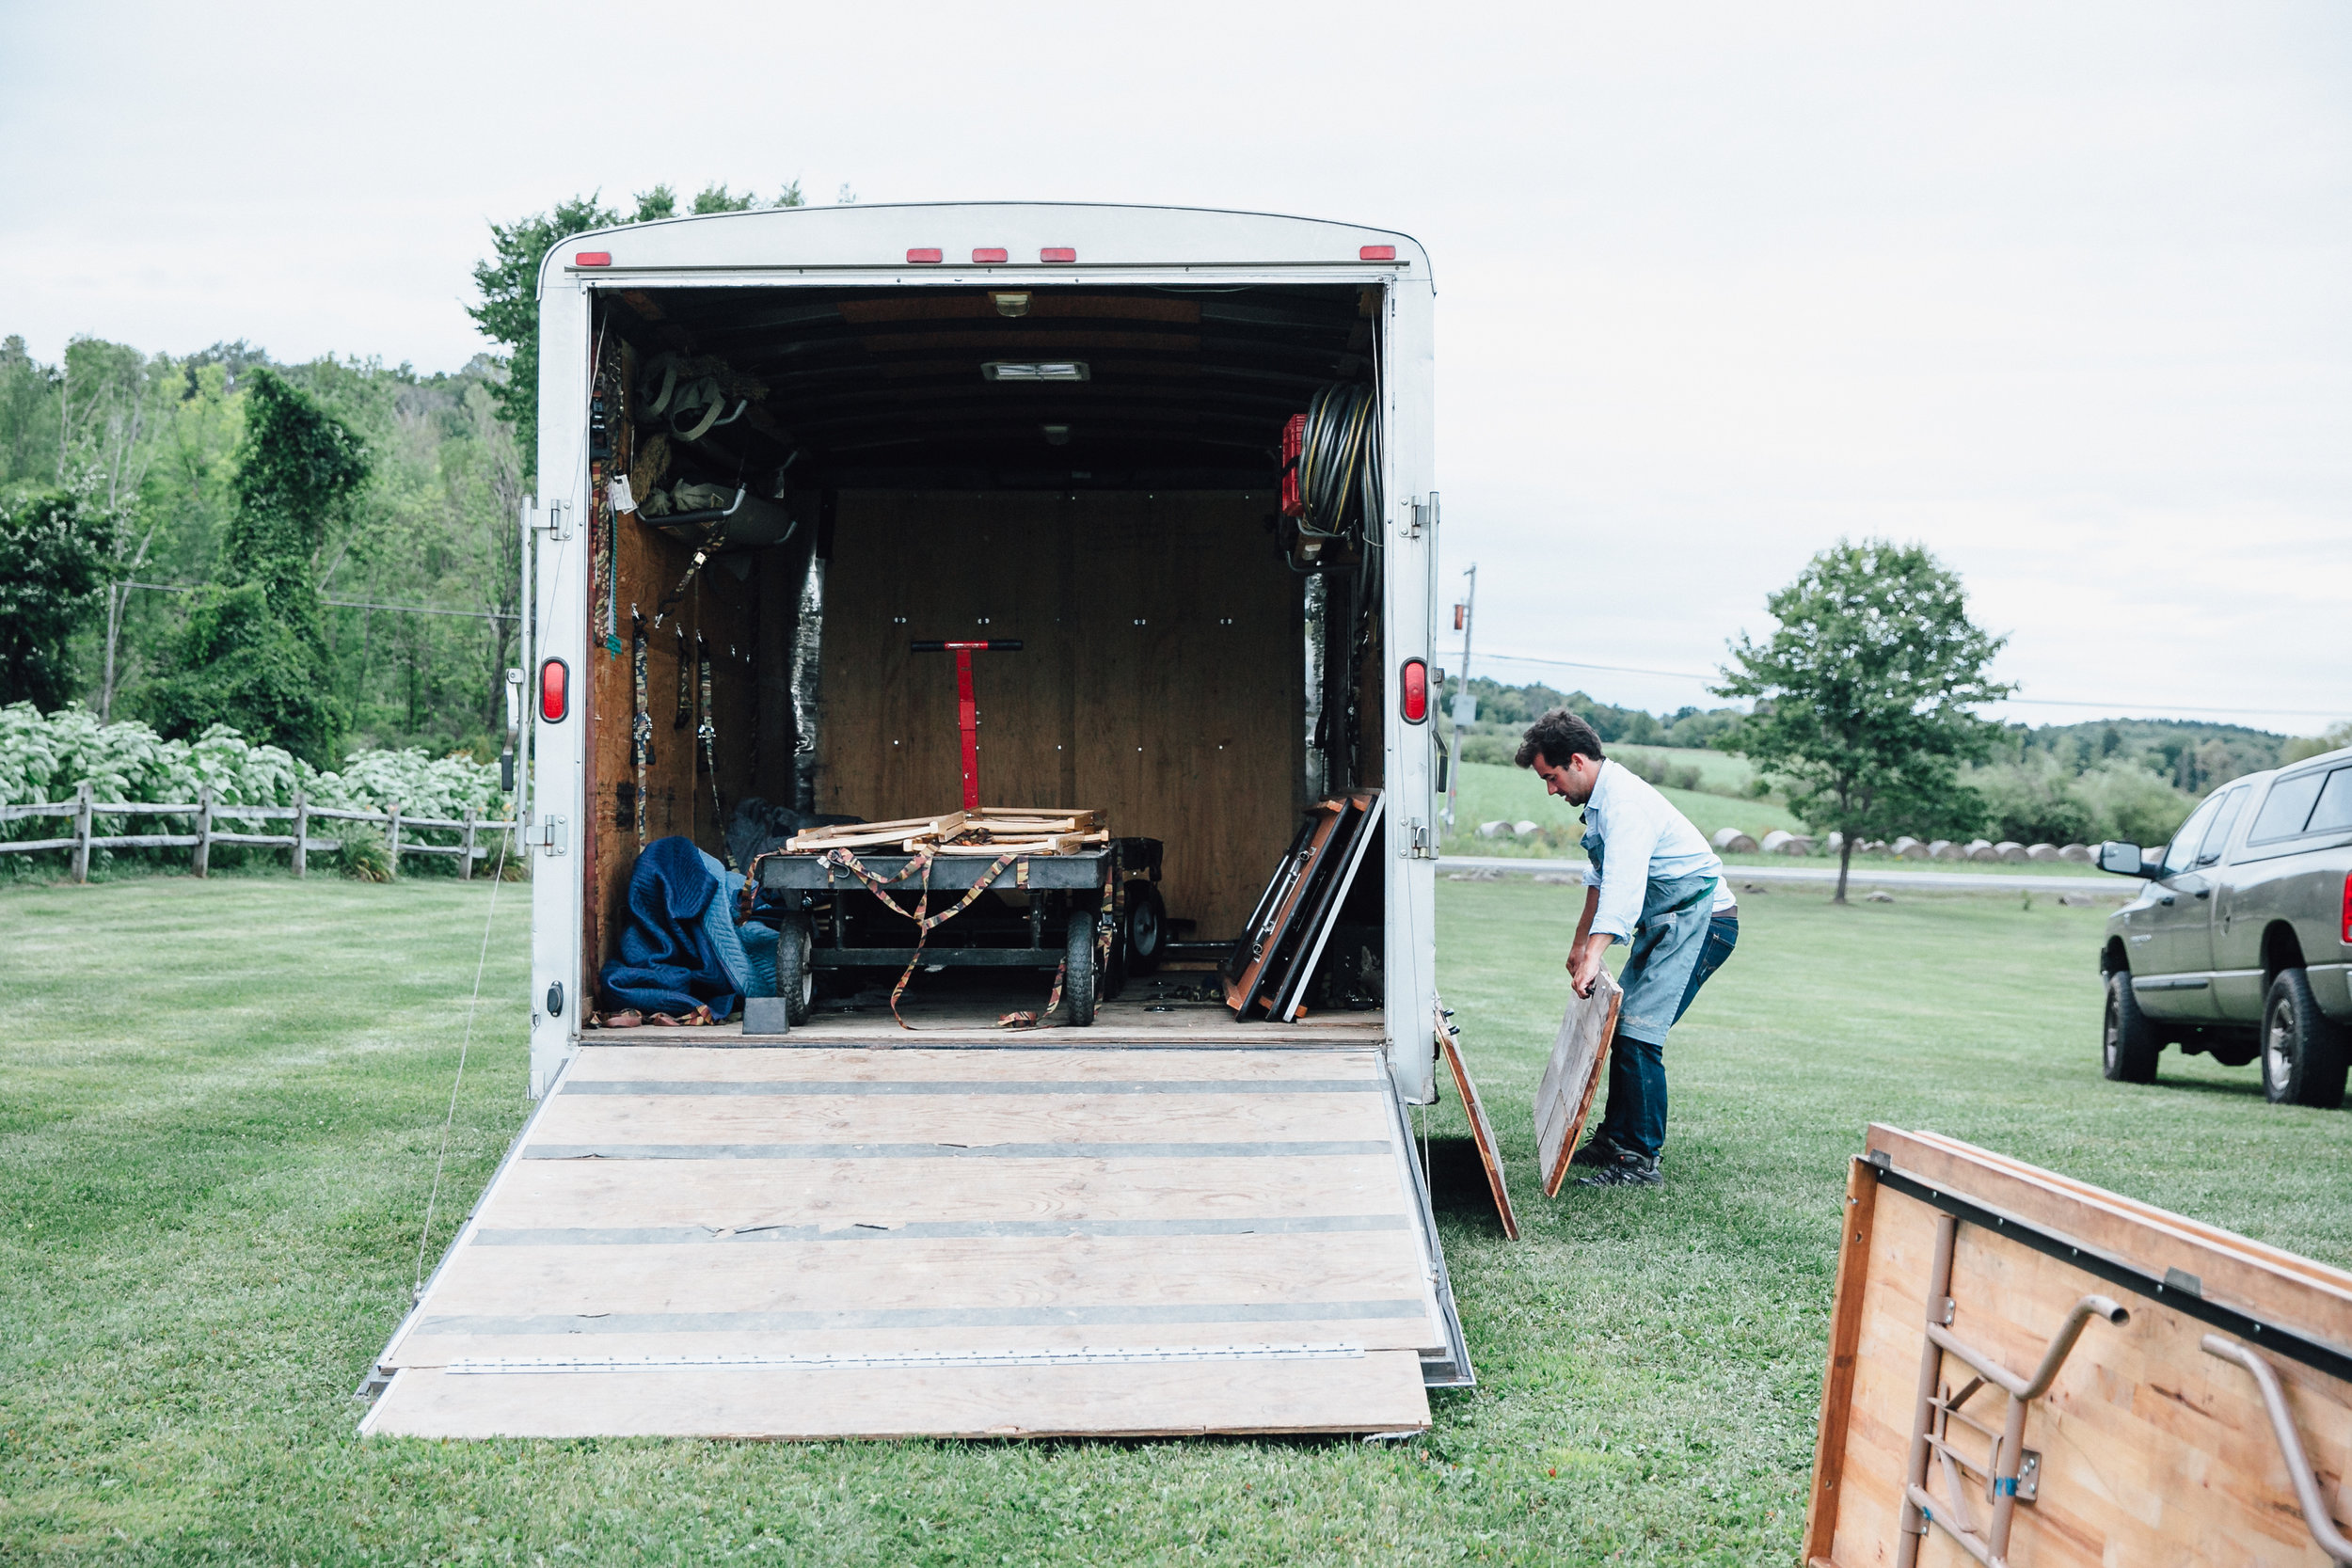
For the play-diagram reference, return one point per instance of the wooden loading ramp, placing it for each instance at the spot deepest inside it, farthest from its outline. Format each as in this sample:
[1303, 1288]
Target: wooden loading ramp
[815, 1243]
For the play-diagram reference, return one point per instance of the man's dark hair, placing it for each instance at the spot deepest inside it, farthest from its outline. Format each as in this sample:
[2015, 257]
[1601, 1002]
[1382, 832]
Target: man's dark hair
[1557, 737]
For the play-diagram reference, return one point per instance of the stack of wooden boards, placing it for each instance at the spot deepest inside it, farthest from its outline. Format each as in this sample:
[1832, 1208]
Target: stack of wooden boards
[1266, 975]
[989, 831]
[2199, 1412]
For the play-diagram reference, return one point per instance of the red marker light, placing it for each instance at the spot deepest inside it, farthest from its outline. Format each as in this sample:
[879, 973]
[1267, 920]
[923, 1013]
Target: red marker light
[924, 255]
[592, 259]
[555, 691]
[2347, 911]
[1057, 253]
[989, 253]
[1413, 699]
[1377, 253]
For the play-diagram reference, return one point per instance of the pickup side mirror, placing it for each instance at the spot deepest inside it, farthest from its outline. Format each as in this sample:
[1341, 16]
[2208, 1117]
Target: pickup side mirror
[2128, 860]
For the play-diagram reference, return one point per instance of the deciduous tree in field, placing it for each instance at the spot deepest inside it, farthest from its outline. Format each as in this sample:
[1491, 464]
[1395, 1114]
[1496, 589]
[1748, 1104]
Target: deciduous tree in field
[254, 652]
[54, 547]
[1863, 694]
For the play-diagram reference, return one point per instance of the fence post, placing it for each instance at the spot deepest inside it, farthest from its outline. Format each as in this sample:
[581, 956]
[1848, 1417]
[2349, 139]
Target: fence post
[301, 834]
[202, 866]
[465, 855]
[81, 831]
[392, 837]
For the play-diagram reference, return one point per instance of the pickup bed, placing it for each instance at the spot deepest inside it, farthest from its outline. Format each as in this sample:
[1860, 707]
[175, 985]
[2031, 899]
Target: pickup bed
[2238, 946]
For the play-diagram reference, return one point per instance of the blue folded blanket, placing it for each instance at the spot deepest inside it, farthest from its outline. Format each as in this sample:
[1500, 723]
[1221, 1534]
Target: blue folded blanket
[681, 948]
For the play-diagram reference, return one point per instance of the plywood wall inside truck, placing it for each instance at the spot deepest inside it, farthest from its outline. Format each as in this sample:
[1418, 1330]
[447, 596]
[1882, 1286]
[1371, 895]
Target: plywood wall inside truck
[1161, 677]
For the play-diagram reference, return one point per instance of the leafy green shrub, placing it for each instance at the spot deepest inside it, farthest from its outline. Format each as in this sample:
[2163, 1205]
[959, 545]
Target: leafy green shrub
[44, 756]
[364, 854]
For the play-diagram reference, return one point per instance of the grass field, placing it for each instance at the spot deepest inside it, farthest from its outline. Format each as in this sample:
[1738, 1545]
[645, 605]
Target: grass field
[223, 1103]
[1491, 791]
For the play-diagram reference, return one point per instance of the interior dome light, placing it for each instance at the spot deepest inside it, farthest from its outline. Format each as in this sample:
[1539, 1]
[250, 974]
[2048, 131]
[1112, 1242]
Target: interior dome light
[1030, 369]
[1011, 304]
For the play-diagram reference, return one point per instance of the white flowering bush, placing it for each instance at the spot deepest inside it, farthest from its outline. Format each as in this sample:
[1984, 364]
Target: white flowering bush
[45, 756]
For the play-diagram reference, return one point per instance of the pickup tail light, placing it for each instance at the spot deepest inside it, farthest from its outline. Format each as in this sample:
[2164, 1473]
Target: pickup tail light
[1413, 694]
[2346, 933]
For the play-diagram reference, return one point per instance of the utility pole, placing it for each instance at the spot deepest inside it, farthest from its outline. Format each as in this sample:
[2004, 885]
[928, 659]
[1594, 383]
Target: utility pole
[1465, 705]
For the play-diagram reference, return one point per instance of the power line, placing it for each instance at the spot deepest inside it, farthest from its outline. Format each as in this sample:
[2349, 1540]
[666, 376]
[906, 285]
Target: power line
[2030, 701]
[351, 604]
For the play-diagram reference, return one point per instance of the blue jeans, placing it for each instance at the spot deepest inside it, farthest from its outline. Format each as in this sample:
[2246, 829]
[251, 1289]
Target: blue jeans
[1636, 1116]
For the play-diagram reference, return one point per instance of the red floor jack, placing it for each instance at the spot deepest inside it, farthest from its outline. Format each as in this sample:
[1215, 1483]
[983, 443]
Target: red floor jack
[967, 715]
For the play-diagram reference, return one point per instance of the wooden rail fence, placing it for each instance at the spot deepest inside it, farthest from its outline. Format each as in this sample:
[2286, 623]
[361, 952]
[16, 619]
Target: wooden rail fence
[204, 809]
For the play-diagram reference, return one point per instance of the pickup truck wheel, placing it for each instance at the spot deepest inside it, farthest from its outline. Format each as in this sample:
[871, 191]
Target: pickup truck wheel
[2304, 1054]
[796, 975]
[2129, 1046]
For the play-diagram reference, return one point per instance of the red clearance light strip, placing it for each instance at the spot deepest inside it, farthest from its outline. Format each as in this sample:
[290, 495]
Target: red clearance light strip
[924, 255]
[1377, 253]
[1057, 253]
[592, 259]
[987, 254]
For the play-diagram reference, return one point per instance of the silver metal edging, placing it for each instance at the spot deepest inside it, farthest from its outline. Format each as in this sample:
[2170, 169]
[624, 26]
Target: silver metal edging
[1456, 1372]
[1081, 1357]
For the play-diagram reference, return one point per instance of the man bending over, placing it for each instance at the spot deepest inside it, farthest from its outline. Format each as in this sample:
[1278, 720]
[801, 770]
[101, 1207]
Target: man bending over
[1656, 885]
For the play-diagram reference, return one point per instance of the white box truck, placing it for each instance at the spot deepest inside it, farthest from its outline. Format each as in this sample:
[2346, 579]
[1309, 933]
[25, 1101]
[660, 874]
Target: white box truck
[784, 453]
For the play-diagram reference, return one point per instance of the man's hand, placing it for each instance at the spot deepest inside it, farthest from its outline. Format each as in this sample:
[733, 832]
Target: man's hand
[1584, 962]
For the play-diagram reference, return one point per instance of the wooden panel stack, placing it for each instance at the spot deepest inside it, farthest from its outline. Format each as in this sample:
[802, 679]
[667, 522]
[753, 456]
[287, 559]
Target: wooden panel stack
[2152, 1444]
[987, 830]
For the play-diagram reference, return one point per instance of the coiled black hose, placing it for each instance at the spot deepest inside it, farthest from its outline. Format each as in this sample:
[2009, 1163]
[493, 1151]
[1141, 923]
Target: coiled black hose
[1338, 465]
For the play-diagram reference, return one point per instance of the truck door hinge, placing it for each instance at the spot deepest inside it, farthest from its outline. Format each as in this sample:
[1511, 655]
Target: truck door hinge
[1424, 516]
[551, 833]
[555, 518]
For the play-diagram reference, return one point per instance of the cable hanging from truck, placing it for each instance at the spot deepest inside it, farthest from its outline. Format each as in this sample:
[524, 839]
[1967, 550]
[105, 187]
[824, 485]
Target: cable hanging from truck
[1333, 470]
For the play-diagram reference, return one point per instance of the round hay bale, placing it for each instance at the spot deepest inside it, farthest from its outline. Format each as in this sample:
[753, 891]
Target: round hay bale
[2041, 851]
[1870, 847]
[2009, 849]
[2079, 853]
[1525, 828]
[1908, 848]
[1780, 841]
[1732, 841]
[1493, 829]
[1943, 849]
[1836, 841]
[1979, 850]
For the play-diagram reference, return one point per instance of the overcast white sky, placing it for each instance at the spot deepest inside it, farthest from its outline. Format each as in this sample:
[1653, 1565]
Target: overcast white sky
[2060, 289]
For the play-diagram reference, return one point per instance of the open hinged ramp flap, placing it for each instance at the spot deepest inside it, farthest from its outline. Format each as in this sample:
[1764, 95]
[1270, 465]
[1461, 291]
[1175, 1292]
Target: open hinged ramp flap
[951, 1242]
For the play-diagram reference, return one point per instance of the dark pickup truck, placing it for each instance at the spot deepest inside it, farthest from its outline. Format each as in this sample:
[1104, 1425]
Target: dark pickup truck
[2238, 946]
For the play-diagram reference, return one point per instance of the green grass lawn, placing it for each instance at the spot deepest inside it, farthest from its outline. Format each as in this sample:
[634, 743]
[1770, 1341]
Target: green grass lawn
[222, 1102]
[1491, 792]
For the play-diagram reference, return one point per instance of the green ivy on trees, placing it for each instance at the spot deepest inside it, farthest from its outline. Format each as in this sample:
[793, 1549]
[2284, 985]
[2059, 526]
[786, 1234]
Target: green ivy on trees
[254, 654]
[52, 554]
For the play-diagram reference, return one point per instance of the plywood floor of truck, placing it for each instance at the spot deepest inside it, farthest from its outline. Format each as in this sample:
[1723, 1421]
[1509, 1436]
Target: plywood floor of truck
[948, 1242]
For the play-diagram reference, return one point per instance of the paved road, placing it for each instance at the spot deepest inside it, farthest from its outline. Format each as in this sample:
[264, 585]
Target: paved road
[1861, 876]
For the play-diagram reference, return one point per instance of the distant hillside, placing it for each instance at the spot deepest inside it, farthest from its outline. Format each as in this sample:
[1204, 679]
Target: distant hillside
[2195, 755]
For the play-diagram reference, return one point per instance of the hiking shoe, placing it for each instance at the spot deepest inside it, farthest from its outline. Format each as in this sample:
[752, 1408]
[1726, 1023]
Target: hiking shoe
[1628, 1169]
[1598, 1149]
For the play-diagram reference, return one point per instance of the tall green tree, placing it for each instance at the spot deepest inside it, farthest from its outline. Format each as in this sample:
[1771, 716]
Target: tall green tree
[1863, 694]
[509, 283]
[54, 549]
[254, 652]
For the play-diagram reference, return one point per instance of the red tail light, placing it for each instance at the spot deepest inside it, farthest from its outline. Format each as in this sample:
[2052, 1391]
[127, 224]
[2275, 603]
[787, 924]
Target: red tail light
[555, 691]
[1057, 253]
[2347, 932]
[592, 259]
[1413, 697]
[1377, 253]
[922, 256]
[987, 254]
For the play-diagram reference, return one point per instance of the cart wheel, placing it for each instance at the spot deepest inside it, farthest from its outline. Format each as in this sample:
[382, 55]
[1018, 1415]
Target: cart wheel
[1078, 968]
[795, 972]
[1147, 928]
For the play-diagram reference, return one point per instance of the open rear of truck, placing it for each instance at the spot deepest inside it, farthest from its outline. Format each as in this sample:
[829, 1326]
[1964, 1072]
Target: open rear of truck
[1055, 427]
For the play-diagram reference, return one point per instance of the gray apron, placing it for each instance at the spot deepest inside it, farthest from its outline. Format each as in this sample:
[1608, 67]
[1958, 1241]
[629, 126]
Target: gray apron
[1666, 948]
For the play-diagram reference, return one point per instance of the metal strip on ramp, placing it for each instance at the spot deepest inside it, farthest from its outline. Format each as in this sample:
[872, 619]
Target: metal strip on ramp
[1055, 1243]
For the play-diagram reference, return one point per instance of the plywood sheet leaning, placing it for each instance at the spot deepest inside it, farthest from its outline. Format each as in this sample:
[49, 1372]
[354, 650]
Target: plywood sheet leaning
[950, 1242]
[2027, 1369]
[1328, 895]
[1482, 1131]
[1579, 1054]
[1259, 958]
